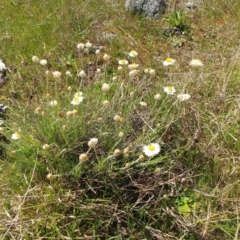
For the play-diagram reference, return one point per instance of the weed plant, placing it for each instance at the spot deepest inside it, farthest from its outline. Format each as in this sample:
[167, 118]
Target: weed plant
[114, 132]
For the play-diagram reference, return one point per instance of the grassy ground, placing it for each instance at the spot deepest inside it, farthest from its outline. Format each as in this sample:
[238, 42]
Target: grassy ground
[57, 185]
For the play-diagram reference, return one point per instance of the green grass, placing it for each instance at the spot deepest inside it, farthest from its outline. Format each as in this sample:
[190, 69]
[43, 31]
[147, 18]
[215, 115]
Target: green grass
[189, 190]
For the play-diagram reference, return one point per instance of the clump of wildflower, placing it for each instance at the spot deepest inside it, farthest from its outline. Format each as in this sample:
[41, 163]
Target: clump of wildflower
[82, 74]
[49, 176]
[97, 52]
[61, 114]
[123, 62]
[46, 147]
[133, 73]
[133, 53]
[78, 94]
[80, 46]
[120, 68]
[183, 97]
[92, 142]
[126, 152]
[15, 136]
[169, 62]
[141, 157]
[74, 112]
[157, 96]
[106, 103]
[43, 62]
[121, 134]
[117, 118]
[83, 157]
[88, 44]
[133, 66]
[106, 57]
[117, 152]
[35, 59]
[105, 87]
[143, 104]
[152, 72]
[196, 63]
[76, 100]
[53, 103]
[69, 114]
[56, 74]
[127, 165]
[37, 110]
[169, 90]
[152, 149]
[68, 74]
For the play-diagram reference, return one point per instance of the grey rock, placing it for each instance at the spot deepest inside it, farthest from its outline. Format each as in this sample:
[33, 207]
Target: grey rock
[147, 8]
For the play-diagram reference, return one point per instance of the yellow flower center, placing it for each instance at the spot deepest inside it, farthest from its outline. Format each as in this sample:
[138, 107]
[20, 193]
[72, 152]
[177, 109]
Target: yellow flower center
[170, 88]
[168, 60]
[151, 148]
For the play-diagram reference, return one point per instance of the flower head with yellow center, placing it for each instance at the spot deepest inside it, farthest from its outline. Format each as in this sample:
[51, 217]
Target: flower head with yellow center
[152, 149]
[123, 62]
[15, 136]
[133, 66]
[133, 54]
[169, 90]
[169, 62]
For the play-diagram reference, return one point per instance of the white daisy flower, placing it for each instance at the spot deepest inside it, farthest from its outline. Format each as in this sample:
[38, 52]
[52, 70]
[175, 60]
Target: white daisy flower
[133, 53]
[169, 90]
[15, 136]
[77, 100]
[169, 62]
[123, 62]
[133, 66]
[152, 149]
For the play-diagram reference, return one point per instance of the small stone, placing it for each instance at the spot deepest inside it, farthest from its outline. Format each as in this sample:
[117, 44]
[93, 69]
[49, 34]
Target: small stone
[147, 8]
